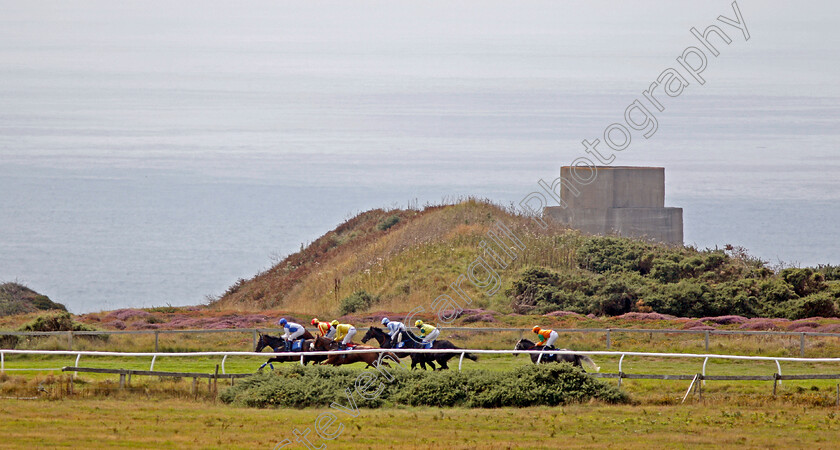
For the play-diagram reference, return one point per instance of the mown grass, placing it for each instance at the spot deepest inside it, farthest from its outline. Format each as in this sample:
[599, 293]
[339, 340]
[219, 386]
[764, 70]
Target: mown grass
[135, 423]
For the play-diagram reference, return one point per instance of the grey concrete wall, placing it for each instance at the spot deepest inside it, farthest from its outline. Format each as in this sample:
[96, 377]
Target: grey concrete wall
[629, 201]
[657, 224]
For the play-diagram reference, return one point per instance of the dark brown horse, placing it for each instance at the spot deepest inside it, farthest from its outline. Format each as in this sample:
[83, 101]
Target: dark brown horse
[574, 359]
[278, 345]
[384, 340]
[322, 344]
[412, 341]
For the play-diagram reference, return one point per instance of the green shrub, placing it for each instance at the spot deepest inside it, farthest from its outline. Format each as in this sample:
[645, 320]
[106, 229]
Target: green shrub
[8, 341]
[604, 254]
[299, 387]
[357, 301]
[62, 321]
[804, 281]
[55, 322]
[816, 305]
[668, 271]
[388, 222]
[829, 272]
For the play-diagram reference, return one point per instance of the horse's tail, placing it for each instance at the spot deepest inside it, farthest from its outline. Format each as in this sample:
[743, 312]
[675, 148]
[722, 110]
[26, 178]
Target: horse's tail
[589, 361]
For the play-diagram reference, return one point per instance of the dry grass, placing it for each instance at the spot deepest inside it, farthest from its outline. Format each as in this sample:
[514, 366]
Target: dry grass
[407, 265]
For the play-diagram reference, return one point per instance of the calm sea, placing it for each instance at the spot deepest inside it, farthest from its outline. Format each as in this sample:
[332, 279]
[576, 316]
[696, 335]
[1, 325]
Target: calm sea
[151, 153]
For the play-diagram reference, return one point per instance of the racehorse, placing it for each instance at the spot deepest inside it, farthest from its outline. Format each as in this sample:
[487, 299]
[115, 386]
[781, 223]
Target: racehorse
[412, 341]
[525, 344]
[323, 344]
[384, 340]
[278, 344]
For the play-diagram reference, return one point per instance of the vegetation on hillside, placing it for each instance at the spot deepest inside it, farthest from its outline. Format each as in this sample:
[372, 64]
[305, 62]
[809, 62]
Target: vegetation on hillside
[616, 276]
[16, 298]
[406, 258]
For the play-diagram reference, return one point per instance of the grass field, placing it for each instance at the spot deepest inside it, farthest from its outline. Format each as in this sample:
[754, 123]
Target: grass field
[644, 392]
[134, 423]
[166, 413]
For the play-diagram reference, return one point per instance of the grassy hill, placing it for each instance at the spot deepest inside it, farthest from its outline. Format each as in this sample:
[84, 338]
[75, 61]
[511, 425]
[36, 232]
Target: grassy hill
[16, 298]
[397, 260]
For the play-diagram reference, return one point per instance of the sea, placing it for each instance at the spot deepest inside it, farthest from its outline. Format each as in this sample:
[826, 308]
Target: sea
[153, 152]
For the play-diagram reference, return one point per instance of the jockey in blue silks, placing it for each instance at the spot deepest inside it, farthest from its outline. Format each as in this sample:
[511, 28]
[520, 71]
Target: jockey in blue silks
[293, 331]
[394, 329]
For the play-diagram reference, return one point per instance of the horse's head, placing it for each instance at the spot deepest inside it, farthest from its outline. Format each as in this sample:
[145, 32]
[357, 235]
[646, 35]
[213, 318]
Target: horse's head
[523, 344]
[321, 344]
[261, 343]
[369, 335]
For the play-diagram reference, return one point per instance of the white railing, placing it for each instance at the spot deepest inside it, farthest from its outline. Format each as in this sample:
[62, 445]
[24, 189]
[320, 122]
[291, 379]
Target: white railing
[461, 352]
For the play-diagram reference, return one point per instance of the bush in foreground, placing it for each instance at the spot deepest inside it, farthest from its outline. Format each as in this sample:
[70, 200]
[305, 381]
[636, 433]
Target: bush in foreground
[547, 385]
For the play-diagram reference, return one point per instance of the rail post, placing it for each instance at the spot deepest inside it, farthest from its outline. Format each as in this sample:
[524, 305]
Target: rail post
[802, 345]
[609, 343]
[223, 364]
[2, 362]
[216, 380]
[78, 357]
[620, 373]
[255, 338]
[70, 341]
[152, 368]
[461, 361]
[707, 339]
[157, 336]
[122, 381]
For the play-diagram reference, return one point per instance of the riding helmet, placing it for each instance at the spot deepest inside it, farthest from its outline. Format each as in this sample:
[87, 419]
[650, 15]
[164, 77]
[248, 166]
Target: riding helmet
[536, 329]
[315, 322]
[283, 321]
[418, 323]
[334, 323]
[385, 321]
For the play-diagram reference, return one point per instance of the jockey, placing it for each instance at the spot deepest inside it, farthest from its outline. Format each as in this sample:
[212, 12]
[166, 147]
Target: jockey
[343, 332]
[545, 338]
[293, 331]
[394, 329]
[427, 332]
[325, 329]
